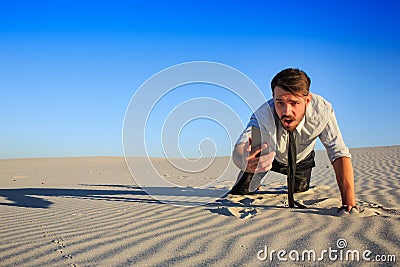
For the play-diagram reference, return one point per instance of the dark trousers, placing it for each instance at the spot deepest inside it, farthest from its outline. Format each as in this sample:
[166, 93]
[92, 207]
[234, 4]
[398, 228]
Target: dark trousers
[302, 175]
[303, 171]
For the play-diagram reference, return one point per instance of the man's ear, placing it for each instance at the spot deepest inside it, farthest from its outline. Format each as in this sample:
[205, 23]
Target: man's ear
[308, 99]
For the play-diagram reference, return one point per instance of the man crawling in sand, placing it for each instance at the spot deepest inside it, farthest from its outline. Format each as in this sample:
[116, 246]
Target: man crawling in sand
[300, 118]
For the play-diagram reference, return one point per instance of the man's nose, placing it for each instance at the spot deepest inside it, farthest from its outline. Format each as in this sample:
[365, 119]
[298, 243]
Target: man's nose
[287, 110]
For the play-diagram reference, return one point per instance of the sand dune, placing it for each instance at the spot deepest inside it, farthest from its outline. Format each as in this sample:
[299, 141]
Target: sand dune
[90, 212]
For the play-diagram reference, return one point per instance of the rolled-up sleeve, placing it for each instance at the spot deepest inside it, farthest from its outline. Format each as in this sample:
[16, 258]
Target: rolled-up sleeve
[244, 136]
[332, 139]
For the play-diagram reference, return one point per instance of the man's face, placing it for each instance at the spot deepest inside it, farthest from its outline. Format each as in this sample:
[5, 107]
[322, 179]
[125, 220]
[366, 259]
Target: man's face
[290, 107]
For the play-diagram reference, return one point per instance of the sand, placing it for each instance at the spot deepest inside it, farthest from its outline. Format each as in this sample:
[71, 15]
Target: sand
[89, 212]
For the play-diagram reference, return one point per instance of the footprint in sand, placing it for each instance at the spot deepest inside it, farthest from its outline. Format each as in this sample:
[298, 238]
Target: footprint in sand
[60, 246]
[242, 213]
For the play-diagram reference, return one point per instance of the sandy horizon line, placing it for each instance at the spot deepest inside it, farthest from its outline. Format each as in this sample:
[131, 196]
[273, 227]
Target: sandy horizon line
[158, 157]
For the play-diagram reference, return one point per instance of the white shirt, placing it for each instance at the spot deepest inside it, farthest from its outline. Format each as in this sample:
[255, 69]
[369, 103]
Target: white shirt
[318, 122]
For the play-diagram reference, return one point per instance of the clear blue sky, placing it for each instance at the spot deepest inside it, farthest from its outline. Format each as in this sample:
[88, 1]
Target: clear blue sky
[68, 69]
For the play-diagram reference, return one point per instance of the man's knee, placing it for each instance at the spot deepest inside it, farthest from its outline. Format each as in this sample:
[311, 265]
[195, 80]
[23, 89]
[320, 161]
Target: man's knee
[302, 181]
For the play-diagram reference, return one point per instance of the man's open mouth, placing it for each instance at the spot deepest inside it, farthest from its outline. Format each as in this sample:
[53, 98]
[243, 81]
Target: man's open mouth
[288, 121]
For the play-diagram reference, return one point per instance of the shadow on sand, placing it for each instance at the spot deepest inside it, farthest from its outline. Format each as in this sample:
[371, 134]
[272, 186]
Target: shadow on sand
[36, 197]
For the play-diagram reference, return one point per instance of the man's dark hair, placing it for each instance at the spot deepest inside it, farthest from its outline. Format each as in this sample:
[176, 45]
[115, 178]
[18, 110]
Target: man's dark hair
[292, 80]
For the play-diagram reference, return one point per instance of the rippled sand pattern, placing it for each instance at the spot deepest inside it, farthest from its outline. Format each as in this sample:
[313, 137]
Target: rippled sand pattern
[89, 212]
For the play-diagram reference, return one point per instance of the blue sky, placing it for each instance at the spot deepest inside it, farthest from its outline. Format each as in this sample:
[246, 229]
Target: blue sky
[68, 69]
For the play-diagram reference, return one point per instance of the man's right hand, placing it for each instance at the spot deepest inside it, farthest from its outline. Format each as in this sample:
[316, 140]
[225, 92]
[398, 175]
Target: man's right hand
[259, 160]
[254, 160]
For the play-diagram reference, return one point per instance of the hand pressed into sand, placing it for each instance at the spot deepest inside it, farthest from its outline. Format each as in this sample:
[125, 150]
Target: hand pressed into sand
[345, 179]
[258, 159]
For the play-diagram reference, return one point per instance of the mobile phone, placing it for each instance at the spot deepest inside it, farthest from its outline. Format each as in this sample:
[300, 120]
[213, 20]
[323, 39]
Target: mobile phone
[255, 138]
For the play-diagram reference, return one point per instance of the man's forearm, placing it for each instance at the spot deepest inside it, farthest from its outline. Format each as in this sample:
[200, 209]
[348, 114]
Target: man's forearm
[237, 157]
[345, 179]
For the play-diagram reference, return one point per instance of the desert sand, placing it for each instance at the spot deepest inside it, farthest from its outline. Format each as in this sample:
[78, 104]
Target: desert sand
[90, 212]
